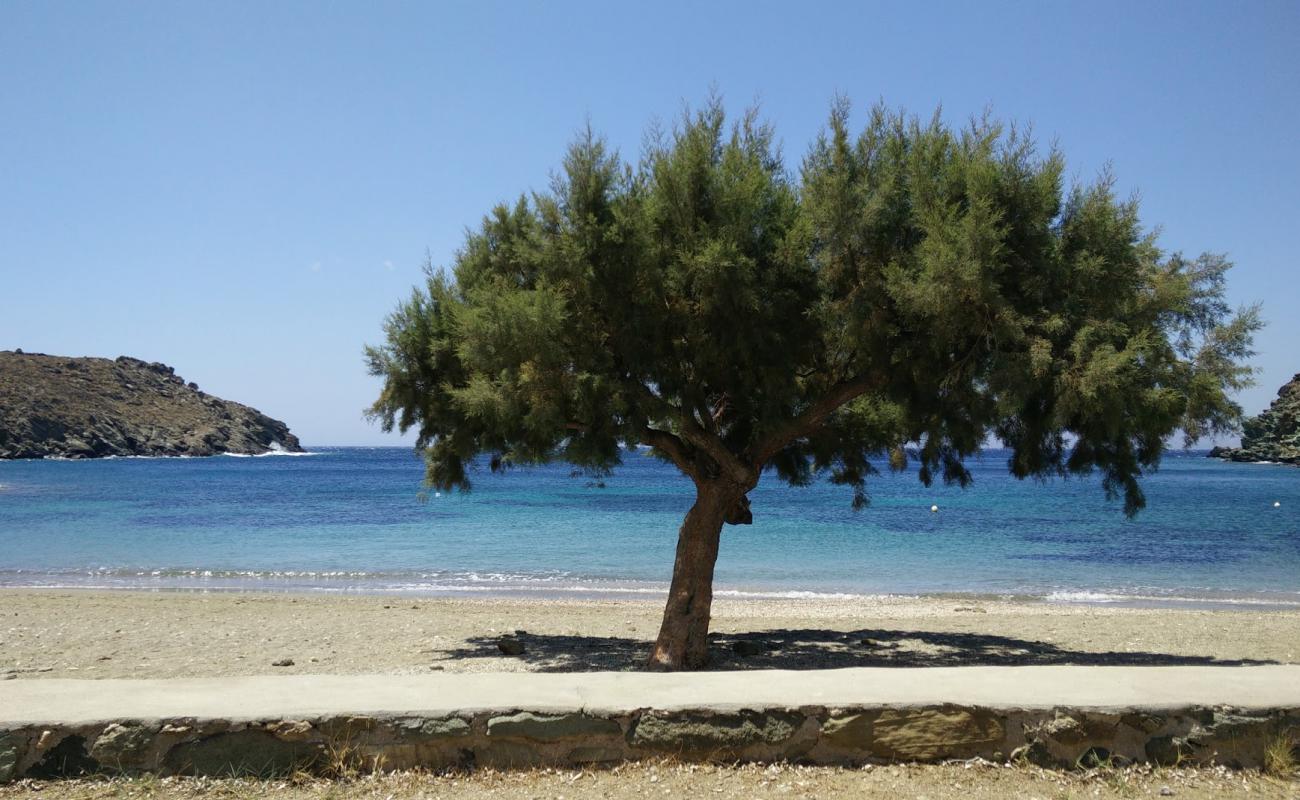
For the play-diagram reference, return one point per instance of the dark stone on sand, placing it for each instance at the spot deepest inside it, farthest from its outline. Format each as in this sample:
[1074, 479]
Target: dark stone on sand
[511, 647]
[746, 648]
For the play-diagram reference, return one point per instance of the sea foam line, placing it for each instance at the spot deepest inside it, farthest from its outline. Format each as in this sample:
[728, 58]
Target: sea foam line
[1112, 597]
[563, 583]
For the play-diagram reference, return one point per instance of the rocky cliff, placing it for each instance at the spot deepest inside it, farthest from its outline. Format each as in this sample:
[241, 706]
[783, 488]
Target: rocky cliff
[1272, 436]
[54, 406]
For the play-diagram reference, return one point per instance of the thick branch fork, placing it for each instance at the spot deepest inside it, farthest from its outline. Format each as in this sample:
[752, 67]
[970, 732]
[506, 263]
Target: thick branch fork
[808, 421]
[743, 469]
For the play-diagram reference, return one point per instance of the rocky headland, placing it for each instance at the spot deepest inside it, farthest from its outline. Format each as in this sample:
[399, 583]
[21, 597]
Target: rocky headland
[61, 407]
[1274, 435]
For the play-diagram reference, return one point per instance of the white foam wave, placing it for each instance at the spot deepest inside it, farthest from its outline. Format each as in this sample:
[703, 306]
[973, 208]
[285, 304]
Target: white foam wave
[171, 458]
[560, 584]
[361, 582]
[802, 594]
[1114, 597]
[270, 453]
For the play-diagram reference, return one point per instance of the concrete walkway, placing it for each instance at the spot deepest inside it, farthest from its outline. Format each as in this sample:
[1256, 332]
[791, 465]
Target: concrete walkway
[1052, 715]
[79, 702]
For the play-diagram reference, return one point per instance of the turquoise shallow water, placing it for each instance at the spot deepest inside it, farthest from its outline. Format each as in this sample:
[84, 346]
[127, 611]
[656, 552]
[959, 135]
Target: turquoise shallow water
[351, 520]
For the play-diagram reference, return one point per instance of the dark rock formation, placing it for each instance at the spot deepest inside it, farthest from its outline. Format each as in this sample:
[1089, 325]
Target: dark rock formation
[1272, 436]
[54, 406]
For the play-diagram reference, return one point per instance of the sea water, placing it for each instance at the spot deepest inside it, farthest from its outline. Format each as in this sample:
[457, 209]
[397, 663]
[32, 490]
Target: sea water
[358, 520]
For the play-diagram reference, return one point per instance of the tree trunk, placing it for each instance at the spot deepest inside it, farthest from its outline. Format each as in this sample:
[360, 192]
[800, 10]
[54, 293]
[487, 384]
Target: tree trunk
[683, 641]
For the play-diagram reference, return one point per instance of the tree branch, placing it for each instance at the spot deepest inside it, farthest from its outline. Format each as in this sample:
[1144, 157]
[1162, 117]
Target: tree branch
[659, 407]
[810, 419]
[731, 464]
[704, 416]
[721, 407]
[694, 432]
[670, 446]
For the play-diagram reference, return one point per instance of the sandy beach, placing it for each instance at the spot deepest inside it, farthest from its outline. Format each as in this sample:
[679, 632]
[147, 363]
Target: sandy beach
[133, 634]
[120, 634]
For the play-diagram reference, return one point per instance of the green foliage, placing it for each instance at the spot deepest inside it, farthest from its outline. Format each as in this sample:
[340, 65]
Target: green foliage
[912, 284]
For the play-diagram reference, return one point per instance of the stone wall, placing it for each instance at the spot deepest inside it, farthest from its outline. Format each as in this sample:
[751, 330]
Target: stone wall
[519, 738]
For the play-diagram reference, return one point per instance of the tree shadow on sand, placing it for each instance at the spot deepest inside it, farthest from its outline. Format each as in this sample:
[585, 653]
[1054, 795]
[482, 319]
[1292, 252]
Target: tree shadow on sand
[821, 649]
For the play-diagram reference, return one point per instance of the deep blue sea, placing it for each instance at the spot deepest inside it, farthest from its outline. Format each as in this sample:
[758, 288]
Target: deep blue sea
[353, 520]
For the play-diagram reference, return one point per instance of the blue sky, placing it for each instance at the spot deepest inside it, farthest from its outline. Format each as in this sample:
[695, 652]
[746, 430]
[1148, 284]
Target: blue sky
[244, 190]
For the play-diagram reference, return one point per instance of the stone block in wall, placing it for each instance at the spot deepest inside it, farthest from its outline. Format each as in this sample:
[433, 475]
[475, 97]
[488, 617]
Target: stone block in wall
[933, 734]
[700, 734]
[124, 746]
[552, 728]
[246, 752]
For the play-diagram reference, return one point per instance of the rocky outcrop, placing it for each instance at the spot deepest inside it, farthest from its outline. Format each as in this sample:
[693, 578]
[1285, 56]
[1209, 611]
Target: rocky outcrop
[60, 407]
[1274, 435]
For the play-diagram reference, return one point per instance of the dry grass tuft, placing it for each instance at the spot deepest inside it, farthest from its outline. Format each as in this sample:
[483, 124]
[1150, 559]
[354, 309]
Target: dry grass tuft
[1280, 756]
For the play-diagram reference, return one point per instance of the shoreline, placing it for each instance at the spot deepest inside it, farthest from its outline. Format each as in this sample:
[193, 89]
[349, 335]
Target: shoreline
[360, 584]
[133, 457]
[58, 633]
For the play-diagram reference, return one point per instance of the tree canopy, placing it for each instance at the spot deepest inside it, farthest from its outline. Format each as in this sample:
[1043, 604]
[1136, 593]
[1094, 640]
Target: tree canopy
[912, 289]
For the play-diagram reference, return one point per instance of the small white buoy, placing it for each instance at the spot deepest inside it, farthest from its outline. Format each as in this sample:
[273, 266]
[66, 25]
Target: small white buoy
[1276, 504]
[934, 509]
[437, 494]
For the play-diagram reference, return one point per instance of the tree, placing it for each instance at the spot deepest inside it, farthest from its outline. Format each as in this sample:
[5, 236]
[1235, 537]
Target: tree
[910, 293]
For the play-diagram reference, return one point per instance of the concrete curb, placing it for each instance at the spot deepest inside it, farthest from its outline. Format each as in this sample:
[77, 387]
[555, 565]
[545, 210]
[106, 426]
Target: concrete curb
[1052, 715]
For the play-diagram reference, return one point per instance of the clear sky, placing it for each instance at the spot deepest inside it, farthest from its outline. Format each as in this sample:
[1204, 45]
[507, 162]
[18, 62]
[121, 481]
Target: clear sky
[244, 190]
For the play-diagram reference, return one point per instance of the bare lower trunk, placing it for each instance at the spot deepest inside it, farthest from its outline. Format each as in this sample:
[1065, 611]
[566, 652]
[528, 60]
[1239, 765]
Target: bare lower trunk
[683, 637]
